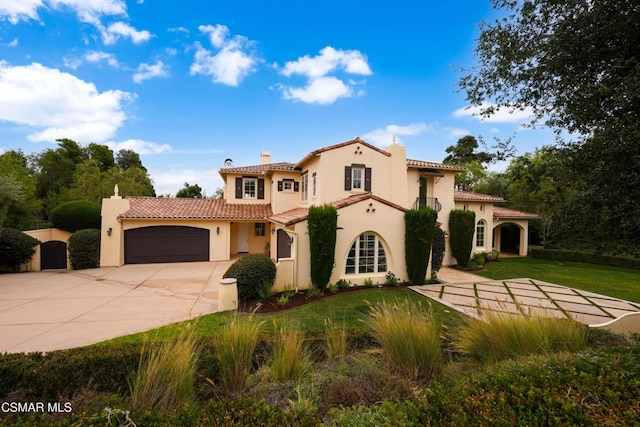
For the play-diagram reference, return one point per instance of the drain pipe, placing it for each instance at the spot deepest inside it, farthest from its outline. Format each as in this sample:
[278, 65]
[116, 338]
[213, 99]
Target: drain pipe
[295, 264]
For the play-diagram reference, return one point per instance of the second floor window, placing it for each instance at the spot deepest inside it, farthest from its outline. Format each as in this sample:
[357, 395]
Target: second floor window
[313, 179]
[356, 178]
[249, 185]
[305, 187]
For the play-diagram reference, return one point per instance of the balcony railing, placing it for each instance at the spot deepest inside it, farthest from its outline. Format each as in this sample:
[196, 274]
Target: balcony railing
[431, 202]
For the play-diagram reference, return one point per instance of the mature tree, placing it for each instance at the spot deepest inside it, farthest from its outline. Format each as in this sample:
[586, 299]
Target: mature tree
[190, 191]
[465, 153]
[575, 65]
[127, 159]
[101, 155]
[10, 192]
[21, 213]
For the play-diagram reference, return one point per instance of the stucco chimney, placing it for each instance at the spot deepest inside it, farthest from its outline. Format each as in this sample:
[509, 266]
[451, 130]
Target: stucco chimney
[265, 157]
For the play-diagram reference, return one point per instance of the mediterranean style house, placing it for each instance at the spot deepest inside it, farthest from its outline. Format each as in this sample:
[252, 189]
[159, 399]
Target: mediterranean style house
[265, 209]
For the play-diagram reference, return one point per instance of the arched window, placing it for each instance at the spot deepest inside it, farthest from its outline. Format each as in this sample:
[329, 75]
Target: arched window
[367, 255]
[480, 231]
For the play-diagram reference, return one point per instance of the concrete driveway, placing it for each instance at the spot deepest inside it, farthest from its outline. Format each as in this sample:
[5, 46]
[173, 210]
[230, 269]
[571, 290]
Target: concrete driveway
[52, 310]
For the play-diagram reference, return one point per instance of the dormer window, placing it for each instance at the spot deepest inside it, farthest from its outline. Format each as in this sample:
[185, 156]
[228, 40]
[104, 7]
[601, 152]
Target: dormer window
[250, 186]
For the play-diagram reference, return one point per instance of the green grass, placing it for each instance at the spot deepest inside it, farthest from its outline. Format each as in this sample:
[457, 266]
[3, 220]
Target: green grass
[349, 309]
[617, 282]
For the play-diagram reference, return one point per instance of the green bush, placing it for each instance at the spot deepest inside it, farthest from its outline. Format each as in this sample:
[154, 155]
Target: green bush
[462, 225]
[252, 272]
[418, 237]
[76, 215]
[322, 225]
[478, 261]
[437, 251]
[16, 248]
[589, 258]
[84, 249]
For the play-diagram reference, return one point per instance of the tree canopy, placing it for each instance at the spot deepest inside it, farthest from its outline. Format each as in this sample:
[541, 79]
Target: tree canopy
[190, 191]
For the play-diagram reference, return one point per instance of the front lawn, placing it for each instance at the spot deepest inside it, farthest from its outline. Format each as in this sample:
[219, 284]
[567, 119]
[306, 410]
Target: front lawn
[617, 282]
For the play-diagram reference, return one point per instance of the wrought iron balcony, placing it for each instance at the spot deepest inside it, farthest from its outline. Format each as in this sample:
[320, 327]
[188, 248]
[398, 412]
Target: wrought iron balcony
[431, 202]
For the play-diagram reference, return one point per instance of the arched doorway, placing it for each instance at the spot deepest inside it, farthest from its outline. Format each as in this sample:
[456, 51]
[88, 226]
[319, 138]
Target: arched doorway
[53, 255]
[284, 245]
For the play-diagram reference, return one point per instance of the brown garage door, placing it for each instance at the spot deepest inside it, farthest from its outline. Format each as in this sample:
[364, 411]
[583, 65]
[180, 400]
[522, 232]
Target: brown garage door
[165, 244]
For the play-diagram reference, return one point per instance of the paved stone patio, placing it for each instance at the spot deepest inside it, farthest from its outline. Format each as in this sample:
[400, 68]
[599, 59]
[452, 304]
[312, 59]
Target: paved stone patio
[528, 296]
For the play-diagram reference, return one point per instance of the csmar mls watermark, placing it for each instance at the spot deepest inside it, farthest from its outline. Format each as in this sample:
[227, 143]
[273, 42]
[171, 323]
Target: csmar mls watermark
[7, 407]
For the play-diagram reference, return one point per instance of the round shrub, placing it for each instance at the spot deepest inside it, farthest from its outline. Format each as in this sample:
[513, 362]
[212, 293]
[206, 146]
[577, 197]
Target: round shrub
[16, 248]
[84, 249]
[251, 271]
[76, 215]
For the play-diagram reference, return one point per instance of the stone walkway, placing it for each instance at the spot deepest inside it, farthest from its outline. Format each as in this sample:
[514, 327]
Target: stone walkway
[528, 296]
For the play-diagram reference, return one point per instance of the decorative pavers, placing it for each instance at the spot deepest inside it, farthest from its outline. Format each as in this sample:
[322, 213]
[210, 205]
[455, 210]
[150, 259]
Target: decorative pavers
[528, 296]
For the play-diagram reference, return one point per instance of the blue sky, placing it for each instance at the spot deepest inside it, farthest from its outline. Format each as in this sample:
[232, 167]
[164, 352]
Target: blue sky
[189, 84]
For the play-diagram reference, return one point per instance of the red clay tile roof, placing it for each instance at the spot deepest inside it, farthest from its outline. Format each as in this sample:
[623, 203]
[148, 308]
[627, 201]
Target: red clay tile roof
[499, 212]
[357, 140]
[259, 169]
[296, 215]
[432, 165]
[466, 196]
[178, 208]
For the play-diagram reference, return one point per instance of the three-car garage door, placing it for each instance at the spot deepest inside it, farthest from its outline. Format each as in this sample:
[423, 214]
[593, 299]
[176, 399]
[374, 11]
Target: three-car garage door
[165, 244]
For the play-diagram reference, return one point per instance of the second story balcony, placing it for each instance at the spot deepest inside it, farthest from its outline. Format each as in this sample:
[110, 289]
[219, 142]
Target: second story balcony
[430, 202]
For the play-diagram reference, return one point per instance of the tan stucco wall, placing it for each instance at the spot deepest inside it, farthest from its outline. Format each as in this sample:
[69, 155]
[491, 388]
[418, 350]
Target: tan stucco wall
[230, 189]
[285, 200]
[523, 225]
[112, 247]
[45, 235]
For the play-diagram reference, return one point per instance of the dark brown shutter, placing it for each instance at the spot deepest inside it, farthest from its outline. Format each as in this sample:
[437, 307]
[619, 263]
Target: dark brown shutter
[347, 178]
[367, 179]
[279, 185]
[296, 186]
[260, 188]
[238, 188]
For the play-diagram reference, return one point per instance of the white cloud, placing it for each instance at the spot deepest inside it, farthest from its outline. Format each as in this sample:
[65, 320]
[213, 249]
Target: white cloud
[15, 11]
[384, 136]
[170, 181]
[231, 63]
[72, 63]
[494, 130]
[453, 132]
[59, 105]
[95, 56]
[322, 88]
[90, 11]
[504, 115]
[178, 30]
[12, 43]
[147, 71]
[121, 29]
[140, 146]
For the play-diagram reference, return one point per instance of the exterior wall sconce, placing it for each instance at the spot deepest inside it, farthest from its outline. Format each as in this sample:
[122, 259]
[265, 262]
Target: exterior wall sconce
[273, 230]
[109, 231]
[217, 230]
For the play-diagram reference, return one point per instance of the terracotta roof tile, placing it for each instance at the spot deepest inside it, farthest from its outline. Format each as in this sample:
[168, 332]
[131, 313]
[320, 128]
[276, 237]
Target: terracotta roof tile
[499, 212]
[466, 196]
[178, 208]
[296, 215]
[432, 165]
[259, 169]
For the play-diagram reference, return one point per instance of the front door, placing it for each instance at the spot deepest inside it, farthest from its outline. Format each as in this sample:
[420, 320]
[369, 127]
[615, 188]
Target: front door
[243, 237]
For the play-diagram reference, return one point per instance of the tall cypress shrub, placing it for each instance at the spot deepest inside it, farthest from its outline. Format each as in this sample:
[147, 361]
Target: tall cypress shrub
[437, 251]
[322, 225]
[462, 226]
[418, 237]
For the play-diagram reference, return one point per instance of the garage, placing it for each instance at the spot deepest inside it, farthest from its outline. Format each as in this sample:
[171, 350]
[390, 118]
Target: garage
[166, 244]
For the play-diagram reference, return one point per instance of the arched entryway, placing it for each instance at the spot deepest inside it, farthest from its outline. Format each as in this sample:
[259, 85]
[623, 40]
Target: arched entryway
[53, 255]
[511, 237]
[283, 245]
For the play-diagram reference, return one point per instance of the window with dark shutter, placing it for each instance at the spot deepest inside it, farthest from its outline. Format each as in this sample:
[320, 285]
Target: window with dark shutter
[367, 179]
[260, 188]
[279, 185]
[347, 178]
[296, 186]
[238, 188]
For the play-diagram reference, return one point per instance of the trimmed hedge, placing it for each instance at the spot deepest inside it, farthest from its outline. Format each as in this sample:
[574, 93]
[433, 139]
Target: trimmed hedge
[84, 249]
[16, 248]
[322, 225]
[589, 258]
[251, 271]
[462, 226]
[76, 215]
[418, 237]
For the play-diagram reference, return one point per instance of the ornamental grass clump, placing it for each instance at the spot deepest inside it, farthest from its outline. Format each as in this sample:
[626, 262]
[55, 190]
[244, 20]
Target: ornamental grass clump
[289, 358]
[409, 338]
[335, 337]
[166, 374]
[499, 336]
[234, 348]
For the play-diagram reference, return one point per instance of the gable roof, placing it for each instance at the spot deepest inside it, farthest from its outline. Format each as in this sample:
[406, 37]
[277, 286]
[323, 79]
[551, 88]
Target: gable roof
[505, 213]
[356, 140]
[296, 215]
[259, 169]
[467, 196]
[178, 208]
[412, 163]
